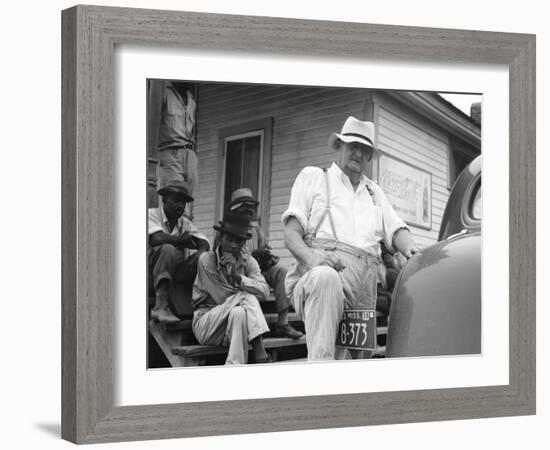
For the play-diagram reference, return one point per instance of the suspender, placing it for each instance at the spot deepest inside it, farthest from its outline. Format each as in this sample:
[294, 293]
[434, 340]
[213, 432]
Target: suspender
[327, 211]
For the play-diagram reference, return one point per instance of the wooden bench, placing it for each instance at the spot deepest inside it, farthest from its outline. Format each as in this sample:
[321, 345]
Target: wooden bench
[193, 355]
[181, 349]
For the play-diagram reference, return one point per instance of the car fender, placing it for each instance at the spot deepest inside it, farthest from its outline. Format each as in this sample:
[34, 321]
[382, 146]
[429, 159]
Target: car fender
[436, 304]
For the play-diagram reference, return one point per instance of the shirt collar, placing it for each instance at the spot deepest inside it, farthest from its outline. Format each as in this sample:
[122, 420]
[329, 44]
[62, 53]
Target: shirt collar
[335, 170]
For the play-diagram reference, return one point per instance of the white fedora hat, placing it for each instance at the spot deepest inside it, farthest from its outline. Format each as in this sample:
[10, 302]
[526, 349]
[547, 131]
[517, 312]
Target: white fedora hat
[355, 130]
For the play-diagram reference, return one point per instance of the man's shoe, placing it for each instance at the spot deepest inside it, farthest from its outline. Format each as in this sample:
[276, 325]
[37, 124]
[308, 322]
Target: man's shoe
[164, 316]
[265, 360]
[287, 331]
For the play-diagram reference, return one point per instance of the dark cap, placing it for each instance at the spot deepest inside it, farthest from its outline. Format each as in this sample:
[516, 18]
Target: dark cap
[180, 188]
[235, 225]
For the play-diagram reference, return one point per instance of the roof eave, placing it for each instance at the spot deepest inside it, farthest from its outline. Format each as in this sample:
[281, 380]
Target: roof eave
[441, 112]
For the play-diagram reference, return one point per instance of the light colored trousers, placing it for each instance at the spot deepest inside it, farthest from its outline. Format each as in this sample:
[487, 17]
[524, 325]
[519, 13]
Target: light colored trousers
[176, 165]
[321, 294]
[237, 321]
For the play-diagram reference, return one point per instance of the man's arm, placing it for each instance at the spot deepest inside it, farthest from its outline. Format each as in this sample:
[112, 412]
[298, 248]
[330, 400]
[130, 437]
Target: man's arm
[403, 242]
[201, 244]
[253, 282]
[184, 241]
[294, 242]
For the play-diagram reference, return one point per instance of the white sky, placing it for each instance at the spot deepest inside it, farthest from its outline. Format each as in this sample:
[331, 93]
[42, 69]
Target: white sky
[462, 101]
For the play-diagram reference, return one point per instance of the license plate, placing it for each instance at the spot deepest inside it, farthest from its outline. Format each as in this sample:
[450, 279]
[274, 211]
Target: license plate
[357, 330]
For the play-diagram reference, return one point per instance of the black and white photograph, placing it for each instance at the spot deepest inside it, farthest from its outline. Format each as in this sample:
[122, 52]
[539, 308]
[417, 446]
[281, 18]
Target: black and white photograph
[291, 224]
[265, 225]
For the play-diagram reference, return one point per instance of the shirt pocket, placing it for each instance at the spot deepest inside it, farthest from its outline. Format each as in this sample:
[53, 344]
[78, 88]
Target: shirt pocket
[371, 220]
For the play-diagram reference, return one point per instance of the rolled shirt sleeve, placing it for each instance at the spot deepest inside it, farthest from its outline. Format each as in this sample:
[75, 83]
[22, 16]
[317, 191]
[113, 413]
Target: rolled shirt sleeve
[300, 197]
[154, 221]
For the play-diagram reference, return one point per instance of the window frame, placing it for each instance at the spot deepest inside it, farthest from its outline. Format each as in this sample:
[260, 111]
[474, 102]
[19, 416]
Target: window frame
[458, 147]
[264, 128]
[237, 137]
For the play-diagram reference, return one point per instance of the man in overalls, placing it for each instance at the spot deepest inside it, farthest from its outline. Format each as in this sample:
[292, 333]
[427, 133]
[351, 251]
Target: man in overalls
[334, 221]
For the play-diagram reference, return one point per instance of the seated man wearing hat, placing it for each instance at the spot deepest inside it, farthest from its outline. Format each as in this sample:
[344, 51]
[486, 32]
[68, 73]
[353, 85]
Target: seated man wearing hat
[243, 203]
[334, 221]
[226, 295]
[171, 235]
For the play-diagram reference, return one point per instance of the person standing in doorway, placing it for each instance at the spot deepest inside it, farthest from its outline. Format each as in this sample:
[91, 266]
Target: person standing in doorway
[173, 103]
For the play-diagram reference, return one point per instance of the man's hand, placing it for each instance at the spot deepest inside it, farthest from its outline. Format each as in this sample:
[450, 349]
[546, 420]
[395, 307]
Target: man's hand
[410, 252]
[265, 258]
[187, 240]
[230, 262]
[327, 259]
[228, 259]
[202, 245]
[404, 243]
[333, 261]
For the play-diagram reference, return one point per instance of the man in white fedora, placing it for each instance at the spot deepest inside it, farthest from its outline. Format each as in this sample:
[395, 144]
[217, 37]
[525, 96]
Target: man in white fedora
[334, 221]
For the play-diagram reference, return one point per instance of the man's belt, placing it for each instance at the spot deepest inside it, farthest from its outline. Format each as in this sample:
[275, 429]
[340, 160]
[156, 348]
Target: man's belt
[177, 147]
[328, 244]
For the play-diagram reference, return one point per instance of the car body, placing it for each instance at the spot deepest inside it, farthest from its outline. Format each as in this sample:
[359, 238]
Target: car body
[436, 302]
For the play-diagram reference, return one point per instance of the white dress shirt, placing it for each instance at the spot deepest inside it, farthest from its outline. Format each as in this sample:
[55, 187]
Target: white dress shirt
[360, 219]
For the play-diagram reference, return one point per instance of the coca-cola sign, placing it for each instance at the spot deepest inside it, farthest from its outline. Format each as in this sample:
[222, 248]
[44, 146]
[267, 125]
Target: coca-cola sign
[408, 188]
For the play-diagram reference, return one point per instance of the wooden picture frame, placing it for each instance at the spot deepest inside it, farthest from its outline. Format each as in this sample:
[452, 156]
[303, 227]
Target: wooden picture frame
[90, 34]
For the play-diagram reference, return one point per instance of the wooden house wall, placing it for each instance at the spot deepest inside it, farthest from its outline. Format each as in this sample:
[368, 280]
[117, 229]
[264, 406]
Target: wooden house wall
[414, 140]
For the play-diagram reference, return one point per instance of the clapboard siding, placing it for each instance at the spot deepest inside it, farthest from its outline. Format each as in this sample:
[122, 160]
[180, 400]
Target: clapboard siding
[417, 146]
